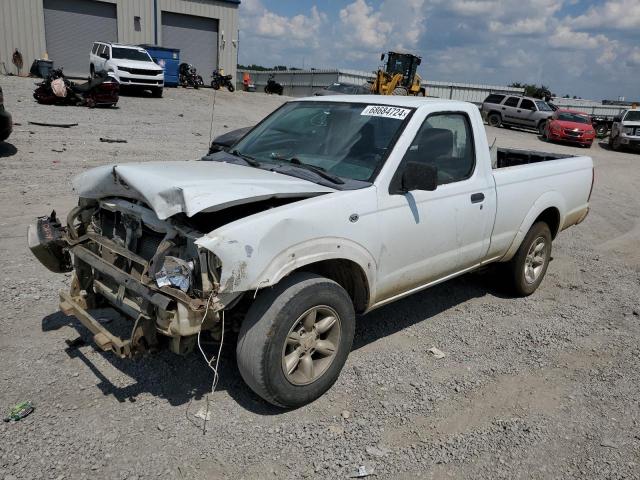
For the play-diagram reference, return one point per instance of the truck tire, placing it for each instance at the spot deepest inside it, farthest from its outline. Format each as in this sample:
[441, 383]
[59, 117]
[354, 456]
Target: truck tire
[529, 265]
[494, 120]
[295, 339]
[156, 92]
[541, 128]
[601, 130]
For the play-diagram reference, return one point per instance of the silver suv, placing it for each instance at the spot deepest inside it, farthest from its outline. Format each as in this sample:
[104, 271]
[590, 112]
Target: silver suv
[500, 109]
[625, 131]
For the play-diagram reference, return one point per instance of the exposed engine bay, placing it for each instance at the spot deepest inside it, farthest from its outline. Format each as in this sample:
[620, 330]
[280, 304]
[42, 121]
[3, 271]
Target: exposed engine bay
[123, 256]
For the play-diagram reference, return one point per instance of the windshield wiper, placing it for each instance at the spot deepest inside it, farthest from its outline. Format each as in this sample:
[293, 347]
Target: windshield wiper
[317, 170]
[250, 160]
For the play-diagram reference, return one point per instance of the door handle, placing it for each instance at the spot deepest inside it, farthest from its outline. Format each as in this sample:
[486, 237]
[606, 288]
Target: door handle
[503, 108]
[519, 111]
[477, 197]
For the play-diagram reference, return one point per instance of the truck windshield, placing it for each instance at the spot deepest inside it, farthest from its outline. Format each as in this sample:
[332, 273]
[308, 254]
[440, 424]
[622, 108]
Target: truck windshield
[632, 116]
[349, 140]
[130, 54]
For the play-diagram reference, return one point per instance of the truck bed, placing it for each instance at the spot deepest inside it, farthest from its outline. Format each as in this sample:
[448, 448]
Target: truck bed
[507, 157]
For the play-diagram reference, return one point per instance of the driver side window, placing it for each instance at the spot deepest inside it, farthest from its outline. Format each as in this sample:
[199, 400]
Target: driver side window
[444, 141]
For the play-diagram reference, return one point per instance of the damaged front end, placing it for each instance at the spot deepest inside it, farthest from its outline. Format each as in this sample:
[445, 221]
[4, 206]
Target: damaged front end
[150, 270]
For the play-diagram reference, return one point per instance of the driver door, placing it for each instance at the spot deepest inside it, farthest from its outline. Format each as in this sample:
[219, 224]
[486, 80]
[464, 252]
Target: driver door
[429, 235]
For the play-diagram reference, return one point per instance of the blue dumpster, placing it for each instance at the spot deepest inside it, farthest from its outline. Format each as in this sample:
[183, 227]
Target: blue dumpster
[168, 59]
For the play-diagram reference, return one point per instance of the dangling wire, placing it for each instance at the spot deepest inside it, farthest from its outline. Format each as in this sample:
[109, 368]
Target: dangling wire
[213, 106]
[210, 361]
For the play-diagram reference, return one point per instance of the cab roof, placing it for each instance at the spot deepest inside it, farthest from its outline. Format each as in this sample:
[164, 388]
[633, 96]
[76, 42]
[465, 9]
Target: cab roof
[391, 100]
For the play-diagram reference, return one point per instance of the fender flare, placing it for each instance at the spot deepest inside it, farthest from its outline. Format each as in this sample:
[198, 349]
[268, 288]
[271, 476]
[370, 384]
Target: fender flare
[239, 276]
[314, 251]
[547, 200]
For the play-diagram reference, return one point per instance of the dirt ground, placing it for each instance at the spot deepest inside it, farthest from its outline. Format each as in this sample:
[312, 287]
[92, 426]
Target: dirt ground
[542, 387]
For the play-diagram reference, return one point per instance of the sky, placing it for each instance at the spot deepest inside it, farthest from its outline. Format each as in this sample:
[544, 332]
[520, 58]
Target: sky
[588, 48]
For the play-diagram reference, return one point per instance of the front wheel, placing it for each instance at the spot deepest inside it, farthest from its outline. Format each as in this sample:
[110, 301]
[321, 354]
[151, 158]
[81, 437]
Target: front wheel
[295, 339]
[494, 120]
[156, 92]
[231, 87]
[529, 265]
[215, 85]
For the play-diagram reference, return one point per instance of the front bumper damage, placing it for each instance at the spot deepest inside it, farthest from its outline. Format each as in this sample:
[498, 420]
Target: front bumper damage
[115, 249]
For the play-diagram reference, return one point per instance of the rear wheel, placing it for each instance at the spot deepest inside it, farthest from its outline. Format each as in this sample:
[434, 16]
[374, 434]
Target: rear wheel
[231, 87]
[494, 120]
[529, 265]
[216, 86]
[601, 129]
[295, 339]
[541, 128]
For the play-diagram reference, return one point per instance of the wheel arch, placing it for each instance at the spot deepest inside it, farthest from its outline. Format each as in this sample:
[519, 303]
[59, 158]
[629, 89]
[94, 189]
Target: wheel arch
[346, 273]
[548, 208]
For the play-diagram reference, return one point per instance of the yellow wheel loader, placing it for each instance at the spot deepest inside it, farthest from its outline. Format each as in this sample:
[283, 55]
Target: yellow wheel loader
[399, 76]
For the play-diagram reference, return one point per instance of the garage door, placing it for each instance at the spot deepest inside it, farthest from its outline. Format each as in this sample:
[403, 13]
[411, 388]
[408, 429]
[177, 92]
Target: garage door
[197, 39]
[71, 27]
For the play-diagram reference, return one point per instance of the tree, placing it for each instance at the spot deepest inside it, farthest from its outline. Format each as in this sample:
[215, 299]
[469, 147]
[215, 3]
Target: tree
[533, 90]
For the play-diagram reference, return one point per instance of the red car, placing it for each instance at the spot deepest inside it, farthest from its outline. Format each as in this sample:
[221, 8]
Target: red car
[570, 126]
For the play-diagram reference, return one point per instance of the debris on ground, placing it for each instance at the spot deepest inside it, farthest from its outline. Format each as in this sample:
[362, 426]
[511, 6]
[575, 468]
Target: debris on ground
[203, 414]
[608, 443]
[19, 411]
[363, 471]
[436, 353]
[345, 414]
[59, 125]
[113, 140]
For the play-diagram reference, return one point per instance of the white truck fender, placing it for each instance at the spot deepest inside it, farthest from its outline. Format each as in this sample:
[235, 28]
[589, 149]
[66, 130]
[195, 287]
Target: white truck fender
[552, 199]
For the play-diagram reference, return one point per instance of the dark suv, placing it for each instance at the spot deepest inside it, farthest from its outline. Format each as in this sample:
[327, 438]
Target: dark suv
[501, 109]
[6, 125]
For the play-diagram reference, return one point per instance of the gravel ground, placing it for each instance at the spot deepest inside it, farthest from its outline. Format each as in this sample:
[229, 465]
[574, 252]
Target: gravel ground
[542, 387]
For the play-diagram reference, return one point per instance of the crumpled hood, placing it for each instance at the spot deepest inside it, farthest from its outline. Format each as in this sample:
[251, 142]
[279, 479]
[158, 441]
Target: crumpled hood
[190, 187]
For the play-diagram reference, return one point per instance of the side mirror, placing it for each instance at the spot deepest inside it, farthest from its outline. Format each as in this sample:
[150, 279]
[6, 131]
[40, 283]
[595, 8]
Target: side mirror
[419, 61]
[419, 176]
[617, 119]
[382, 57]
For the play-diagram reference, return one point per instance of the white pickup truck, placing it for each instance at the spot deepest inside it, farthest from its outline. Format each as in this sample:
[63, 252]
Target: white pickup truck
[328, 208]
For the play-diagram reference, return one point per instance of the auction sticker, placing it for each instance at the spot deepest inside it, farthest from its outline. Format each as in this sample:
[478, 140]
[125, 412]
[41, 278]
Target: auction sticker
[386, 111]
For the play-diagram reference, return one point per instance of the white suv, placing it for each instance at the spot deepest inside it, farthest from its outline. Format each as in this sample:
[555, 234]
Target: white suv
[128, 64]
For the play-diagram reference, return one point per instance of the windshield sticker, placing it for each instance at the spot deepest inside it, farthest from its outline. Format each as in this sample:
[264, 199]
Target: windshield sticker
[386, 111]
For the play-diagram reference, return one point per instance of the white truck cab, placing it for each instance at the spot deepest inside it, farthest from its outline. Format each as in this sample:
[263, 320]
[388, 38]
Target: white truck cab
[129, 64]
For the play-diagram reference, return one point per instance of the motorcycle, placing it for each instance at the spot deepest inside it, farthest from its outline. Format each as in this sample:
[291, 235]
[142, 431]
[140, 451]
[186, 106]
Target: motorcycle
[189, 76]
[56, 89]
[219, 79]
[273, 86]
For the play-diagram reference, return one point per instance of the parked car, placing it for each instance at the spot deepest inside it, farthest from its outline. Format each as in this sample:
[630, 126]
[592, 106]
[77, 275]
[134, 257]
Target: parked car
[570, 126]
[625, 131]
[327, 208]
[228, 139]
[6, 124]
[515, 110]
[130, 65]
[344, 89]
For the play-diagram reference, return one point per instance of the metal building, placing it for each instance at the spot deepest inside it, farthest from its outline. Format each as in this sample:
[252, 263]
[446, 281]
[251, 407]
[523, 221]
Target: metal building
[205, 31]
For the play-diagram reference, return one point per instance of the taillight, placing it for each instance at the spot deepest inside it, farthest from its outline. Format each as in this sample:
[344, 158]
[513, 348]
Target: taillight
[593, 180]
